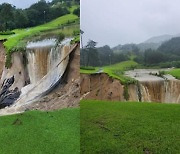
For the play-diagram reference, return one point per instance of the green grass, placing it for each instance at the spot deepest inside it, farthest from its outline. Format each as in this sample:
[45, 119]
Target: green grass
[71, 9]
[17, 42]
[13, 40]
[117, 71]
[36, 132]
[175, 73]
[89, 70]
[117, 127]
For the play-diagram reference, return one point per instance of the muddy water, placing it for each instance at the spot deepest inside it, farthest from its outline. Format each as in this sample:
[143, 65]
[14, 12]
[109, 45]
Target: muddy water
[43, 56]
[151, 88]
[146, 74]
[43, 43]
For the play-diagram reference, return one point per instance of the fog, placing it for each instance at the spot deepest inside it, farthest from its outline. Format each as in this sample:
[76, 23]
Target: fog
[116, 22]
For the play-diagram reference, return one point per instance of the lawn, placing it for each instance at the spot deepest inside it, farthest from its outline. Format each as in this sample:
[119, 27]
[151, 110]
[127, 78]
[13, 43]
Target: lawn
[175, 73]
[36, 132]
[13, 40]
[115, 71]
[66, 24]
[89, 70]
[127, 127]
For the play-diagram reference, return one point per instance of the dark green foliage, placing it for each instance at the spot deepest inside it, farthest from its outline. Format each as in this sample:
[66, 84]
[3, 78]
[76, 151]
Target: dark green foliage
[77, 12]
[8, 62]
[7, 33]
[89, 55]
[170, 64]
[139, 91]
[76, 32]
[61, 36]
[20, 18]
[101, 56]
[153, 57]
[172, 46]
[126, 93]
[6, 16]
[38, 13]
[167, 55]
[87, 68]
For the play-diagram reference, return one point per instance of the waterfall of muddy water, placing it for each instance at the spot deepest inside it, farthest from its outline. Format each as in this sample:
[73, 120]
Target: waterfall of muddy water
[152, 88]
[40, 54]
[46, 65]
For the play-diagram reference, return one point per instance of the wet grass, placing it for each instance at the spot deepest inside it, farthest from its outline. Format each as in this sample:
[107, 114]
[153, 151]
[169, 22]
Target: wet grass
[89, 70]
[115, 71]
[40, 132]
[20, 34]
[175, 73]
[17, 41]
[124, 127]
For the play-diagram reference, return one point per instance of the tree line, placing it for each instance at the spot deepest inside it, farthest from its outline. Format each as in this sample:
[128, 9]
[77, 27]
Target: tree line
[36, 14]
[167, 55]
[101, 56]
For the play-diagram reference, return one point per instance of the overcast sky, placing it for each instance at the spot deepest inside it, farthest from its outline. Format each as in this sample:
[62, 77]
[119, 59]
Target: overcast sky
[116, 22]
[20, 3]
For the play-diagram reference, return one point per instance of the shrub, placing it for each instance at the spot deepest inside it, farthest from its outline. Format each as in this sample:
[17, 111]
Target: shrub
[7, 33]
[61, 37]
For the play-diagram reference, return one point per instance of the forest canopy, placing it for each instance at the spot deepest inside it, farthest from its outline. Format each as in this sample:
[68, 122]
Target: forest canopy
[38, 13]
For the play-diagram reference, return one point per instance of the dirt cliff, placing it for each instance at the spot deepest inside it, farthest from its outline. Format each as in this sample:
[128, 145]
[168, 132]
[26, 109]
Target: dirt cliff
[102, 87]
[67, 93]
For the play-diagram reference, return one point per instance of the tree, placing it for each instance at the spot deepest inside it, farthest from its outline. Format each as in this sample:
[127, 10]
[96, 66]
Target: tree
[77, 12]
[153, 57]
[91, 44]
[6, 15]
[20, 18]
[92, 54]
[105, 55]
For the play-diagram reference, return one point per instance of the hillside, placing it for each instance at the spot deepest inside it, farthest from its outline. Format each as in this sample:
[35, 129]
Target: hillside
[152, 43]
[37, 62]
[18, 41]
[171, 47]
[159, 39]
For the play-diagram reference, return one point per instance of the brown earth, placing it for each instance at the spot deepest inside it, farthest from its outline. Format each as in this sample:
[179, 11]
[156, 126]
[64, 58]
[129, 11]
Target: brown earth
[2, 57]
[101, 87]
[67, 93]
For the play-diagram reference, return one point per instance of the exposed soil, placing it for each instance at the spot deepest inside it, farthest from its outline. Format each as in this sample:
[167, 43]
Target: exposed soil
[67, 93]
[2, 57]
[101, 87]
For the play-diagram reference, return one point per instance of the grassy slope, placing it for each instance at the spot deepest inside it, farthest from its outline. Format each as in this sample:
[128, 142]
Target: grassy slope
[116, 70]
[23, 33]
[89, 71]
[40, 132]
[114, 127]
[175, 73]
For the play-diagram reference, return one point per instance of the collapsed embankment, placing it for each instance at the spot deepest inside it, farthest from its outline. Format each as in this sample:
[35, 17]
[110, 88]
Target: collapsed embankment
[102, 87]
[38, 73]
